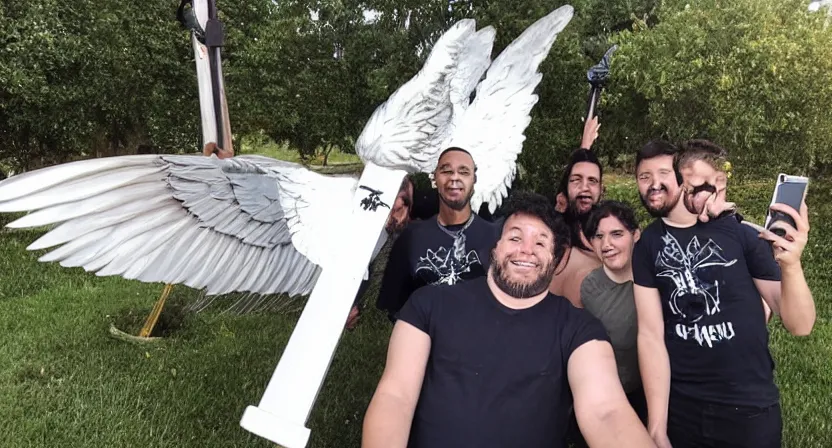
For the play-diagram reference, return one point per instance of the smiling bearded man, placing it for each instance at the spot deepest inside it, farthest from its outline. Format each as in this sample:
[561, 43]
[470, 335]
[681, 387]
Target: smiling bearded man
[499, 361]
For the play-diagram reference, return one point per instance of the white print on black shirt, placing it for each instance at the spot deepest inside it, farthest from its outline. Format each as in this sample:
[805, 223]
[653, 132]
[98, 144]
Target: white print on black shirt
[692, 298]
[449, 265]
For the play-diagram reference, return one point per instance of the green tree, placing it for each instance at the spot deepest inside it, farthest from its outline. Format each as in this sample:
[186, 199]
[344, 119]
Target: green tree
[751, 75]
[92, 78]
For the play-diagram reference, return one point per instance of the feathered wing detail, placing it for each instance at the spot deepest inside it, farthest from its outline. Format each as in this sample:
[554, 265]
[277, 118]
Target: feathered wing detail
[406, 131]
[473, 62]
[493, 126]
[249, 224]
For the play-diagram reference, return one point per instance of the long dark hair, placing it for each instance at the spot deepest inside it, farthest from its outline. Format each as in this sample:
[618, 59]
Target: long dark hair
[574, 221]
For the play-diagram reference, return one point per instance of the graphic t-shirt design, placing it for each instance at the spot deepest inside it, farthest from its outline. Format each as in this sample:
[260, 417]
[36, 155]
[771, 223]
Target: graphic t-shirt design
[445, 267]
[694, 298]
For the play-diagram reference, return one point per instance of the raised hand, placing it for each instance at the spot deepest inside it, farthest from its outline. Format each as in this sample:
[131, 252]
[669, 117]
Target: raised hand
[716, 205]
[789, 248]
[212, 148]
[590, 132]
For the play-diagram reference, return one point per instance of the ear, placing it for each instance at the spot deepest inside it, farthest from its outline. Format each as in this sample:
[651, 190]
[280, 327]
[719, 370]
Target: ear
[636, 235]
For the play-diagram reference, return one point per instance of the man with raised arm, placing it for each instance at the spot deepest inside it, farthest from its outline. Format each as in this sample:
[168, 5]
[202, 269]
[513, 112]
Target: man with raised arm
[497, 361]
[582, 184]
[702, 338]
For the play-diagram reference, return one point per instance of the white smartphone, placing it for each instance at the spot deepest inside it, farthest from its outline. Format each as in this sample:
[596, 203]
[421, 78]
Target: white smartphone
[789, 190]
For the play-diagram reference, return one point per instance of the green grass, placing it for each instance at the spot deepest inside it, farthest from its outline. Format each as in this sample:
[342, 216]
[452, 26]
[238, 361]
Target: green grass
[282, 151]
[65, 382]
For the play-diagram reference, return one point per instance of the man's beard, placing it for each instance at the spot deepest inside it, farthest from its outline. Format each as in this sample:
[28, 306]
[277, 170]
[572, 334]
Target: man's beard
[522, 290]
[460, 204]
[660, 212]
[573, 215]
[576, 221]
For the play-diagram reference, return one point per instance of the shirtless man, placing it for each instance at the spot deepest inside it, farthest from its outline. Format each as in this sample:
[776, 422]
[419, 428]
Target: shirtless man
[581, 183]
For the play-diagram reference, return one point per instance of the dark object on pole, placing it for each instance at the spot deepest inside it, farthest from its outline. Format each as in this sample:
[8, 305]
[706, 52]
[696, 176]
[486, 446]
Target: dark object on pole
[597, 77]
[214, 42]
[187, 17]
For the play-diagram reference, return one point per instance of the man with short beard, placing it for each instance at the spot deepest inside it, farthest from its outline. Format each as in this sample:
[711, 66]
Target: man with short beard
[451, 247]
[582, 186]
[498, 361]
[702, 339]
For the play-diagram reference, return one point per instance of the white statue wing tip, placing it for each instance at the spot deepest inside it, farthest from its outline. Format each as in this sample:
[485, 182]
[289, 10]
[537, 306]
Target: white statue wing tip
[493, 126]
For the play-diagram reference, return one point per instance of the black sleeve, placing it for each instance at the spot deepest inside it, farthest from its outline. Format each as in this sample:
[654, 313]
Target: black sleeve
[644, 270]
[758, 255]
[417, 309]
[584, 328]
[396, 284]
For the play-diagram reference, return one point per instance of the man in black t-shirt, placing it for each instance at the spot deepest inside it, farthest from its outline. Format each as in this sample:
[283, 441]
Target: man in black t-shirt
[451, 247]
[703, 342]
[497, 361]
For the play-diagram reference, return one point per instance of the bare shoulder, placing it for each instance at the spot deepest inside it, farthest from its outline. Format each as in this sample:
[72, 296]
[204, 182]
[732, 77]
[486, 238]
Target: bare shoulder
[568, 279]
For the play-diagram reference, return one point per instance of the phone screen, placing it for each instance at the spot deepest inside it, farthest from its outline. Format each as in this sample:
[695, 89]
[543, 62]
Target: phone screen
[791, 194]
[788, 193]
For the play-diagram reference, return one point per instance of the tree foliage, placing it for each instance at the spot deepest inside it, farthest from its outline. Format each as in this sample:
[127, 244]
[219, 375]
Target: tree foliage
[84, 78]
[88, 78]
[751, 75]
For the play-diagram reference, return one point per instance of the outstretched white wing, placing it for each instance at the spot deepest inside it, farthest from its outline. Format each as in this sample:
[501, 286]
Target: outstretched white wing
[493, 125]
[248, 223]
[406, 131]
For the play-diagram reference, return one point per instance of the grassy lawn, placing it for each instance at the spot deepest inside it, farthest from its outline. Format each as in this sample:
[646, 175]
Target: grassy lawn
[65, 382]
[282, 151]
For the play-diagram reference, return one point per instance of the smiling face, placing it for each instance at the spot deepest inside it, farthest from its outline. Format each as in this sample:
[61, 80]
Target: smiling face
[522, 262]
[613, 244]
[657, 185]
[454, 177]
[584, 187]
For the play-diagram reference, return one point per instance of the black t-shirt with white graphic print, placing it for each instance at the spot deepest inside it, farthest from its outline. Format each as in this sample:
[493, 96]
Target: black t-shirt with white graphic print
[715, 328]
[496, 376]
[425, 254]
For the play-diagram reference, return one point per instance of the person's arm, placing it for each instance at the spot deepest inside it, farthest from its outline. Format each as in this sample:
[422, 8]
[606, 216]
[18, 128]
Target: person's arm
[793, 299]
[396, 283]
[390, 414]
[604, 415]
[653, 360]
[590, 133]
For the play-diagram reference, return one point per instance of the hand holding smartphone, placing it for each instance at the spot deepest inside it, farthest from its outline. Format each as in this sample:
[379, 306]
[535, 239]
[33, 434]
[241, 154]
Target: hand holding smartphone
[791, 191]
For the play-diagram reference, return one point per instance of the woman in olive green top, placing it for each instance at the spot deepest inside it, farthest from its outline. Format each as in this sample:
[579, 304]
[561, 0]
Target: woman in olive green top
[607, 292]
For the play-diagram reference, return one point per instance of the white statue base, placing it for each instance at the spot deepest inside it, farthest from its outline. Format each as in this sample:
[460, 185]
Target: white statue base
[290, 394]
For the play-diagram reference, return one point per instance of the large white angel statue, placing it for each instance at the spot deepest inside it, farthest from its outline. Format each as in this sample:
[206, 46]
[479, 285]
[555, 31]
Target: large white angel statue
[277, 227]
